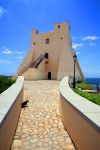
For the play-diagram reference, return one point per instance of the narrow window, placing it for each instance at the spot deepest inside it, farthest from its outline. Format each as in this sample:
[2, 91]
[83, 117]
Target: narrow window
[34, 43]
[36, 32]
[47, 41]
[58, 26]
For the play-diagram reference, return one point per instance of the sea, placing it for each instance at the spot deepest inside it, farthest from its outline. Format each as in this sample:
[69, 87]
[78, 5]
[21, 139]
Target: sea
[93, 81]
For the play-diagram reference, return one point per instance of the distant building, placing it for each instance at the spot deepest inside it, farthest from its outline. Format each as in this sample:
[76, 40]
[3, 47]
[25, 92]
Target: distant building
[50, 55]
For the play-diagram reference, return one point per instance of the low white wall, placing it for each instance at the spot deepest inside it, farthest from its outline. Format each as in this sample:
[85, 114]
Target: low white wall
[10, 108]
[81, 118]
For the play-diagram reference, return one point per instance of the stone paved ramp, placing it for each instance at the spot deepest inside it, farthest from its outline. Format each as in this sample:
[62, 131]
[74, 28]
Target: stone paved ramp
[40, 126]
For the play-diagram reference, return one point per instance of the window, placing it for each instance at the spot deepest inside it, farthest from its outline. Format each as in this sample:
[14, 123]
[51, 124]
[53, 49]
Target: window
[36, 32]
[58, 26]
[61, 38]
[34, 43]
[47, 41]
[46, 55]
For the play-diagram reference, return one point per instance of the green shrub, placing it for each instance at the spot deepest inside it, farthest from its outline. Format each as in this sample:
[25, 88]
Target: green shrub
[93, 97]
[5, 83]
[84, 86]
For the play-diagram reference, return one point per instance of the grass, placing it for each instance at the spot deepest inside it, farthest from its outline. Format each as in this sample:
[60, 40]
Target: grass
[95, 98]
[84, 86]
[5, 82]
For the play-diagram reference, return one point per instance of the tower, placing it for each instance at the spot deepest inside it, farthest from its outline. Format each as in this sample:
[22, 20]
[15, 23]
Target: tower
[50, 55]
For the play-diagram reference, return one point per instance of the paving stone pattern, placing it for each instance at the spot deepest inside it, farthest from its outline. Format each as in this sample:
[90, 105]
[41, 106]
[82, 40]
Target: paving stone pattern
[40, 125]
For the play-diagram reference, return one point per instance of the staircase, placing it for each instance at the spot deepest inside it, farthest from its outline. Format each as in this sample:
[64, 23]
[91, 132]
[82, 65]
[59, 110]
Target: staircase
[38, 61]
[35, 64]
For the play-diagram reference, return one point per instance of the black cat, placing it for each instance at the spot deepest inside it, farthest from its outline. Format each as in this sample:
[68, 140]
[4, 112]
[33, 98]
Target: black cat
[24, 104]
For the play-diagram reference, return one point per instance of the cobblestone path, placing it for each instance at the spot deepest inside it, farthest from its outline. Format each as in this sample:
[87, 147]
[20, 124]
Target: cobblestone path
[40, 126]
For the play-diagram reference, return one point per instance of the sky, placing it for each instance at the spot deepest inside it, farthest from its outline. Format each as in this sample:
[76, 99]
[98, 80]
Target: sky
[18, 17]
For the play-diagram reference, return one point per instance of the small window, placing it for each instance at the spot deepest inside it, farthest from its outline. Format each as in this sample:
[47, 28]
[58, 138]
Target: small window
[46, 55]
[36, 32]
[47, 41]
[58, 26]
[61, 38]
[34, 43]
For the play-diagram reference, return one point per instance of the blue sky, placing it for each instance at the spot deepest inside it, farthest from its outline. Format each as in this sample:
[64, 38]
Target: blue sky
[18, 17]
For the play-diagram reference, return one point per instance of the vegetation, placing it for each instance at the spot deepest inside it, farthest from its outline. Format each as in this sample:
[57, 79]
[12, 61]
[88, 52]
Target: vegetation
[95, 98]
[5, 83]
[84, 86]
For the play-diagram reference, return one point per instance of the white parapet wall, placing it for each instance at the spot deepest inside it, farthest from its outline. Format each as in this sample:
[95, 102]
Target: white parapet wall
[81, 118]
[10, 108]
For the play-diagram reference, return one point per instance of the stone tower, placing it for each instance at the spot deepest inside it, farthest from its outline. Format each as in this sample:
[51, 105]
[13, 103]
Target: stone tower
[50, 55]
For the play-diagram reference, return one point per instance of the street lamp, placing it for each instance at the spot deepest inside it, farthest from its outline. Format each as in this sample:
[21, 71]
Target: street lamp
[74, 83]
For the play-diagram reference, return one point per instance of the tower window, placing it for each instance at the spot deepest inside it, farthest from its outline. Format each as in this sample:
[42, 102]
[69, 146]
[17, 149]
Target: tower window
[58, 26]
[36, 32]
[34, 43]
[47, 41]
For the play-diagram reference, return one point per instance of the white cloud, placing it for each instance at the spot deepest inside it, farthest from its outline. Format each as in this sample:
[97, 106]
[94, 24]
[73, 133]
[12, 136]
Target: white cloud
[2, 11]
[92, 44]
[7, 51]
[75, 45]
[91, 38]
[10, 52]
[73, 38]
[20, 57]
[78, 52]
[4, 62]
[19, 52]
